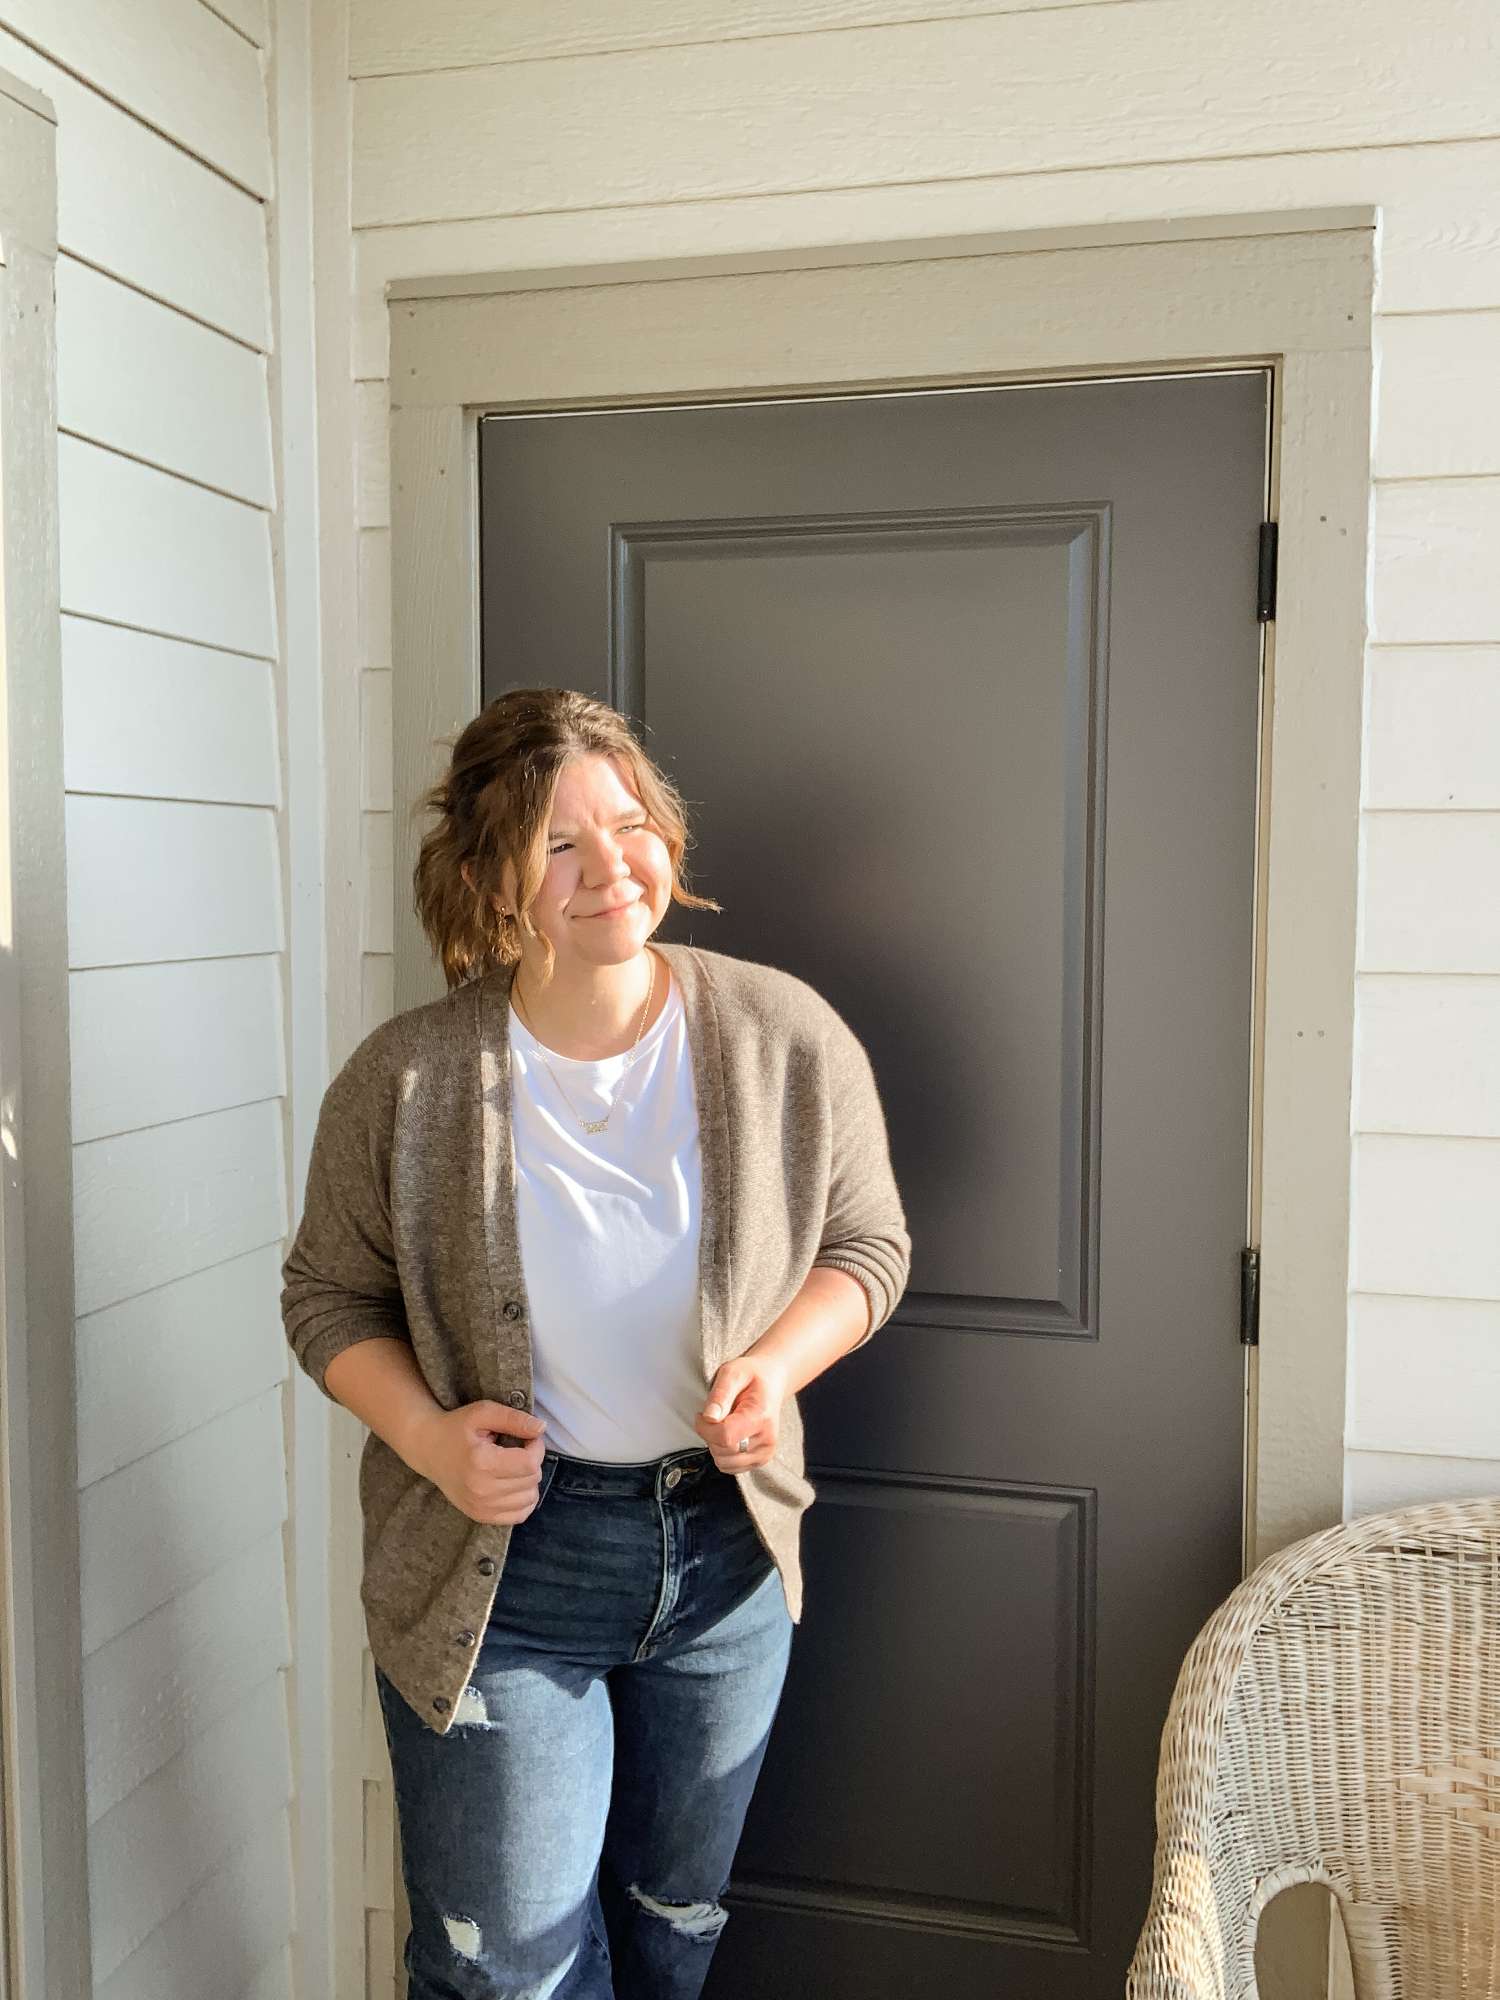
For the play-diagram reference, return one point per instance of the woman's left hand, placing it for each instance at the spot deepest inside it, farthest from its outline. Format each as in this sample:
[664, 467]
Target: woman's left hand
[744, 1402]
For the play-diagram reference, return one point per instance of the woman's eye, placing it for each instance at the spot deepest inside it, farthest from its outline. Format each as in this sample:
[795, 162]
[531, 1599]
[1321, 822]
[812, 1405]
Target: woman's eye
[635, 826]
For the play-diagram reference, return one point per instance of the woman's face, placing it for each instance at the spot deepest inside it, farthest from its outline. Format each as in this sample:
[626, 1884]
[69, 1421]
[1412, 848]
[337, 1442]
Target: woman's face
[603, 856]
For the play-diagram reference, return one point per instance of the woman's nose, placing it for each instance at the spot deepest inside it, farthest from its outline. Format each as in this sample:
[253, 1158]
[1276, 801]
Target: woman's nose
[609, 857]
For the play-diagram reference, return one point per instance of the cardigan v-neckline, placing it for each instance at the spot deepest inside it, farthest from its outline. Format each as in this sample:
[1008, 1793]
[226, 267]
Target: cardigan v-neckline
[510, 1354]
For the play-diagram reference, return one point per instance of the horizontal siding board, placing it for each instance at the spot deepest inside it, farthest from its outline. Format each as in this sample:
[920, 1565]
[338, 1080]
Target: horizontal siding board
[145, 548]
[1376, 1480]
[391, 37]
[144, 379]
[162, 1364]
[175, 65]
[155, 1043]
[1437, 415]
[1427, 892]
[161, 879]
[140, 208]
[215, 1942]
[159, 1204]
[181, 1669]
[155, 1529]
[1425, 1376]
[1440, 224]
[162, 718]
[1433, 737]
[1424, 1216]
[1440, 244]
[1429, 1055]
[185, 1822]
[1436, 577]
[934, 100]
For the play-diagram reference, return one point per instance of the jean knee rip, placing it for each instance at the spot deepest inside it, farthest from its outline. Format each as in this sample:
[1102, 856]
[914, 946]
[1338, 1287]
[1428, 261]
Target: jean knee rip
[472, 1710]
[463, 1935]
[695, 1920]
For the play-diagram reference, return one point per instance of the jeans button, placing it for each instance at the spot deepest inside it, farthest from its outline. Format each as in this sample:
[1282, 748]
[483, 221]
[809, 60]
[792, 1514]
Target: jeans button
[672, 1477]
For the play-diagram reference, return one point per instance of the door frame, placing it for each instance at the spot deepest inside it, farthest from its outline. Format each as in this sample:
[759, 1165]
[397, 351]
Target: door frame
[1292, 292]
[44, 1950]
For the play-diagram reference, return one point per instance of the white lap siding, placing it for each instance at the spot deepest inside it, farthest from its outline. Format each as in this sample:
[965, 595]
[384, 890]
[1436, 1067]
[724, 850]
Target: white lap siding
[172, 764]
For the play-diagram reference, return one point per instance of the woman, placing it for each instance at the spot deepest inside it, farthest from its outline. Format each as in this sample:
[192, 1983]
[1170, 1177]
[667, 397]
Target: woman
[574, 1237]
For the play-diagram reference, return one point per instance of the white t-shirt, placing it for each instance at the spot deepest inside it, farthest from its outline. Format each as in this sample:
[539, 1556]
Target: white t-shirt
[609, 1225]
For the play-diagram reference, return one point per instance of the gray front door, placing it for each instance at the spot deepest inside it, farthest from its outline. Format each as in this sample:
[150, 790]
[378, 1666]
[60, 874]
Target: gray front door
[962, 687]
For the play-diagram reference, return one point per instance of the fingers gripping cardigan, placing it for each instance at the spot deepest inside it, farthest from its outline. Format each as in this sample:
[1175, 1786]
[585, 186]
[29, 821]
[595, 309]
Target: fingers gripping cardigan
[409, 1230]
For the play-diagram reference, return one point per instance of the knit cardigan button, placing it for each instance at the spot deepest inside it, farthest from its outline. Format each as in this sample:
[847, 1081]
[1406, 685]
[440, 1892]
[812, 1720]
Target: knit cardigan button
[441, 1701]
[464, 1639]
[486, 1565]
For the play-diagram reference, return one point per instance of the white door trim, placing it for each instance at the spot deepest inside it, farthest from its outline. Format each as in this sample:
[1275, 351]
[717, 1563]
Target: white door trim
[1294, 291]
[47, 1951]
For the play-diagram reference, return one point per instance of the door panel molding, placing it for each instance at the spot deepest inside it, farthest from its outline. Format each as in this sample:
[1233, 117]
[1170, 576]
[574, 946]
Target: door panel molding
[1066, 1517]
[1293, 293]
[1082, 533]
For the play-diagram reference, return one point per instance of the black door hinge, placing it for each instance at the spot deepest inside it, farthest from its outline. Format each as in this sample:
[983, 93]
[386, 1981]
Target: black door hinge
[1250, 1298]
[1265, 574]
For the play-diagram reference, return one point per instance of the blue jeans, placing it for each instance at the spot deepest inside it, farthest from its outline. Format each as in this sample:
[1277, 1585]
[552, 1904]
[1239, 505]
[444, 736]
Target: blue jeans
[571, 1835]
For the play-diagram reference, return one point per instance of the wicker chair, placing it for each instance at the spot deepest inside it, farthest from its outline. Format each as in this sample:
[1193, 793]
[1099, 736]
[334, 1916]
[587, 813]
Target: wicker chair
[1338, 1720]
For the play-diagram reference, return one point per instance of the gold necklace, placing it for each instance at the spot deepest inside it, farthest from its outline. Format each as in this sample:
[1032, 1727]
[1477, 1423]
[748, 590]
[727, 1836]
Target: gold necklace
[597, 1124]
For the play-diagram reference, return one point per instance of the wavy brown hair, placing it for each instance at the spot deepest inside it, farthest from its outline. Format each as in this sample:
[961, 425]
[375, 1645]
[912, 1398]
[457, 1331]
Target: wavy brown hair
[494, 804]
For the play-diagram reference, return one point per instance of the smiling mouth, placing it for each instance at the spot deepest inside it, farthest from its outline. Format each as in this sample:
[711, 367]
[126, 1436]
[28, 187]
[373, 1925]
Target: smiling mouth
[618, 911]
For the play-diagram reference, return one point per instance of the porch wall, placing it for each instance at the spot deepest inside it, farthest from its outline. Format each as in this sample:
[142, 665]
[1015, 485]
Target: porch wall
[534, 136]
[170, 648]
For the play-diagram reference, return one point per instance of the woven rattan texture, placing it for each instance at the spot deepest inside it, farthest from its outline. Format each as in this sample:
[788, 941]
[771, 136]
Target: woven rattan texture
[1338, 1720]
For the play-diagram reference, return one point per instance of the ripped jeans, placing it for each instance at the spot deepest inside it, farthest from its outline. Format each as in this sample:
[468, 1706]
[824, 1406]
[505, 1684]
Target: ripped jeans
[571, 1835]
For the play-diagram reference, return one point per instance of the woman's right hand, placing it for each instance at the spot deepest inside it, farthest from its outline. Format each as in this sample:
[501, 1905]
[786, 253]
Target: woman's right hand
[488, 1480]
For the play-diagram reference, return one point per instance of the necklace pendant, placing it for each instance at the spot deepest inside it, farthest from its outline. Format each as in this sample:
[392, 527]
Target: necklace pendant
[596, 1124]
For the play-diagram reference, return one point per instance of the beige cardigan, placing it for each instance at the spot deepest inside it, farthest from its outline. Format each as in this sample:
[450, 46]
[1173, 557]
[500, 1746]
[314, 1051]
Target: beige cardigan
[409, 1229]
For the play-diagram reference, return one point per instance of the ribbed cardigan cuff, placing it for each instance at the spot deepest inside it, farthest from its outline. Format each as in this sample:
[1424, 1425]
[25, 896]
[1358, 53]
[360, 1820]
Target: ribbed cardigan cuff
[875, 1290]
[314, 1351]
